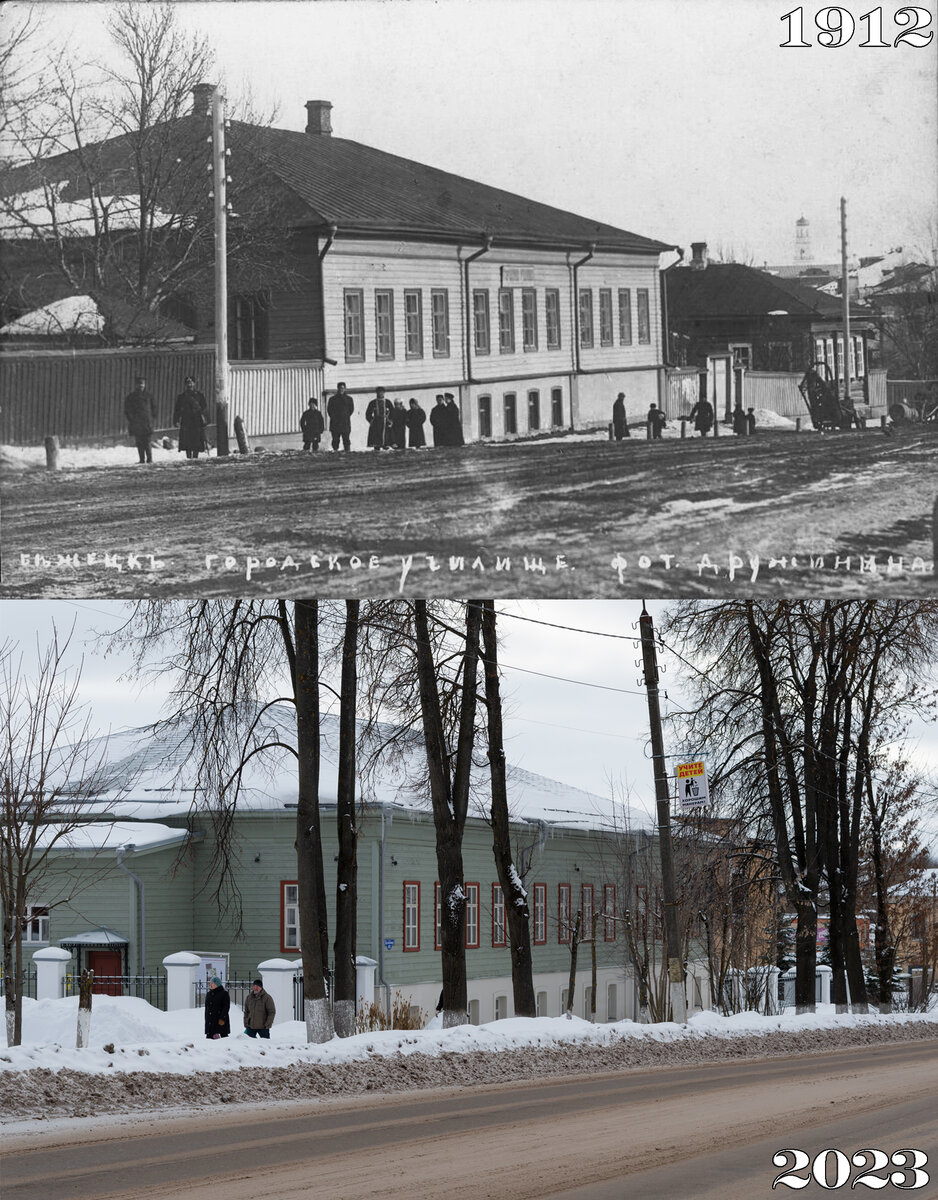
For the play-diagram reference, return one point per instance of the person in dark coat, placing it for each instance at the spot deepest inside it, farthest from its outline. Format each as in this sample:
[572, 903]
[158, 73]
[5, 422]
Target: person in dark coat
[191, 414]
[217, 1004]
[656, 421]
[454, 435]
[378, 416]
[416, 419]
[340, 408]
[750, 421]
[139, 413]
[312, 425]
[620, 426]
[439, 422]
[259, 1011]
[739, 421]
[702, 416]
[398, 425]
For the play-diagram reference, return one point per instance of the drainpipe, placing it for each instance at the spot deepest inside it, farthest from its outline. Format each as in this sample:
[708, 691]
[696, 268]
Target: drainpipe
[141, 906]
[384, 983]
[666, 332]
[487, 246]
[333, 230]
[576, 308]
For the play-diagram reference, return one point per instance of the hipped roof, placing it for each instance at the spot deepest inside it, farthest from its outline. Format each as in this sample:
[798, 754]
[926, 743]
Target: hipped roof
[735, 290]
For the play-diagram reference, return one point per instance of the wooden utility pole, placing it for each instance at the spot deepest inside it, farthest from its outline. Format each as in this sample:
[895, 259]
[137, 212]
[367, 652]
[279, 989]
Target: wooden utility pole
[220, 190]
[845, 292]
[663, 802]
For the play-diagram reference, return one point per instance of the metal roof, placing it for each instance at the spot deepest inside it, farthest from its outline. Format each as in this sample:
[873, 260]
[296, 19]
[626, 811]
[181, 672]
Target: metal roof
[95, 937]
[735, 290]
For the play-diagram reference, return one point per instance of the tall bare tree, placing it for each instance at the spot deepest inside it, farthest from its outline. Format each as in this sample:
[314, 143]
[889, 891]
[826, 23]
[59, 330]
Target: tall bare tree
[517, 916]
[346, 899]
[51, 764]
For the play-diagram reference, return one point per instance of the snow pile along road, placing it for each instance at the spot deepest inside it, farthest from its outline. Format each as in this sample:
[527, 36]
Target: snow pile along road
[141, 1058]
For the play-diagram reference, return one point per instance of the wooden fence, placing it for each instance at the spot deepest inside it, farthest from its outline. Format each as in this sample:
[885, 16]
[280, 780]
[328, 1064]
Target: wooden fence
[78, 395]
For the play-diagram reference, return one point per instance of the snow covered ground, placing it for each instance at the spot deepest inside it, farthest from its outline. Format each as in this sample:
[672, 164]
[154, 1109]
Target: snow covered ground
[140, 1058]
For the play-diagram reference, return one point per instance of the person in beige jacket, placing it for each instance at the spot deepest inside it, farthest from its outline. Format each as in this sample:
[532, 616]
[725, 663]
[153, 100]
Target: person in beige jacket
[259, 1011]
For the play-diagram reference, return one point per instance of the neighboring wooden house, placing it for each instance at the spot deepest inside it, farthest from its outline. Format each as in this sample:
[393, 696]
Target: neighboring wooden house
[725, 315]
[140, 876]
[421, 281]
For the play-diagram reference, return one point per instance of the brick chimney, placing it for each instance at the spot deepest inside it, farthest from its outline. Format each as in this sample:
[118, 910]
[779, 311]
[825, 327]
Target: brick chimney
[699, 253]
[202, 99]
[319, 117]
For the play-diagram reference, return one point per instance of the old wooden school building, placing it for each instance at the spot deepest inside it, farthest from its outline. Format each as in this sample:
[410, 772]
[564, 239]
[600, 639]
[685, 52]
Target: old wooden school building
[421, 281]
[133, 885]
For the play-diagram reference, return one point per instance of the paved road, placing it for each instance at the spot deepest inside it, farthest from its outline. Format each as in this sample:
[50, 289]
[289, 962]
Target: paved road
[701, 1132]
[779, 514]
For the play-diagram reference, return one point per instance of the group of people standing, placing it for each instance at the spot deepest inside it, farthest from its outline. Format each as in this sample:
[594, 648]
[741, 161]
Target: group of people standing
[702, 414]
[190, 413]
[391, 425]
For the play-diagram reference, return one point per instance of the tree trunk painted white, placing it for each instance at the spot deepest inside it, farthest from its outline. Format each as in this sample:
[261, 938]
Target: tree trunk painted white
[84, 1028]
[11, 1026]
[343, 1014]
[453, 1018]
[318, 1016]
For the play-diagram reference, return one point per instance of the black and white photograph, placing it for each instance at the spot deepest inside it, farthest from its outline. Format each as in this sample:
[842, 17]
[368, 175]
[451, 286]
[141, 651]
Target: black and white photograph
[532, 297]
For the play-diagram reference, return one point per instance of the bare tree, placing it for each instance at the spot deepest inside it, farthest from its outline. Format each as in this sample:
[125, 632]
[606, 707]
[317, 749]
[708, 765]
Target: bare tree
[112, 196]
[51, 764]
[346, 900]
[513, 890]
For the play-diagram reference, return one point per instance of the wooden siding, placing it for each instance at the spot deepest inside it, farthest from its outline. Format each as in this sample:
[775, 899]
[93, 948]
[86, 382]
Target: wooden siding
[777, 392]
[78, 396]
[270, 397]
[682, 391]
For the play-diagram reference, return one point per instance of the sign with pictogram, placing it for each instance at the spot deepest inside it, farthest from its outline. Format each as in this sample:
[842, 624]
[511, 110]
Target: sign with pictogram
[693, 791]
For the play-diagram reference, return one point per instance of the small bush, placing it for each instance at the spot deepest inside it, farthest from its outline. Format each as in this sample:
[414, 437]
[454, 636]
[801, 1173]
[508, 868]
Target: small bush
[403, 1015]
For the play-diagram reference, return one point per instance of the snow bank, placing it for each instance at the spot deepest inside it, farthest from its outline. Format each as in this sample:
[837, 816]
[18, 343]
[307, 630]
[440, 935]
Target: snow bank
[130, 1035]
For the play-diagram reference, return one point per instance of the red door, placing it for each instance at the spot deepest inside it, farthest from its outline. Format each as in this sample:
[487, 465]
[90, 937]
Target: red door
[106, 965]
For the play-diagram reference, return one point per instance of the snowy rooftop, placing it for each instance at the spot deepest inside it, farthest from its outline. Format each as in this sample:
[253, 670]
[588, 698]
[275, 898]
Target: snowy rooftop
[151, 773]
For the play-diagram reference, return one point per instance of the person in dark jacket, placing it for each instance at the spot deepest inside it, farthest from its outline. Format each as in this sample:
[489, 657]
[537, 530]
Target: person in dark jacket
[620, 425]
[656, 421]
[378, 416]
[139, 413]
[750, 421]
[416, 419]
[740, 424]
[398, 425]
[217, 1004]
[312, 425]
[340, 408]
[190, 413]
[702, 416]
[454, 435]
[439, 422]
[259, 1011]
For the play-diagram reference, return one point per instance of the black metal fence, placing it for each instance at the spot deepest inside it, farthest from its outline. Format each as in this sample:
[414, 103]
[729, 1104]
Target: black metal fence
[29, 983]
[237, 990]
[151, 988]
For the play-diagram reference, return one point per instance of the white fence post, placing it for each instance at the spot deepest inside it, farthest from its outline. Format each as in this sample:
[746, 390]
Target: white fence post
[824, 975]
[181, 971]
[364, 981]
[51, 967]
[278, 975]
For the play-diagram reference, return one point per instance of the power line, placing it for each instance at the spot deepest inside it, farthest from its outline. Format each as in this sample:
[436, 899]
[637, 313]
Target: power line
[622, 637]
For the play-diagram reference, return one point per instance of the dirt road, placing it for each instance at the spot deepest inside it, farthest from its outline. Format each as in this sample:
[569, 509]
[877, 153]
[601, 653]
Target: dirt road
[779, 514]
[701, 1131]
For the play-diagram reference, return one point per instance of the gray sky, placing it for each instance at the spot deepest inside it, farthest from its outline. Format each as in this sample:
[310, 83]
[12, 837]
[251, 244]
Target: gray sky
[682, 120]
[576, 710]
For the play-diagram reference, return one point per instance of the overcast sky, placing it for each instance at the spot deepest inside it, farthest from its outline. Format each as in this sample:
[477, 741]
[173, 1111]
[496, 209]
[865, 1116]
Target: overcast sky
[576, 709]
[682, 120]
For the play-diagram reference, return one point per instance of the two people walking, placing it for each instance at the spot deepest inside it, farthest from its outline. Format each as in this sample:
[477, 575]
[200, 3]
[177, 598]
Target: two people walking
[190, 413]
[259, 1011]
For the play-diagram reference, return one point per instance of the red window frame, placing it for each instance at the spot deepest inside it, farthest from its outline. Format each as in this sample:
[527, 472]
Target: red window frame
[563, 924]
[473, 887]
[609, 910]
[496, 891]
[284, 948]
[415, 884]
[586, 925]
[540, 913]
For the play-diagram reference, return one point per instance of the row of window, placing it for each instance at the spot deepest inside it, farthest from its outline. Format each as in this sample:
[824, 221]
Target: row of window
[510, 412]
[386, 346]
[565, 920]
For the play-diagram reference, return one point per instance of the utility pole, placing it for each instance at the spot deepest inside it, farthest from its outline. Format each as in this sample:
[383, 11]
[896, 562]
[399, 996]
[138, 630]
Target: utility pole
[220, 205]
[663, 803]
[845, 292]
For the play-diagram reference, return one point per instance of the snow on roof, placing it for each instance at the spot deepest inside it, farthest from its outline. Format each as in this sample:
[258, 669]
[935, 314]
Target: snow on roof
[152, 772]
[112, 835]
[38, 214]
[73, 314]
